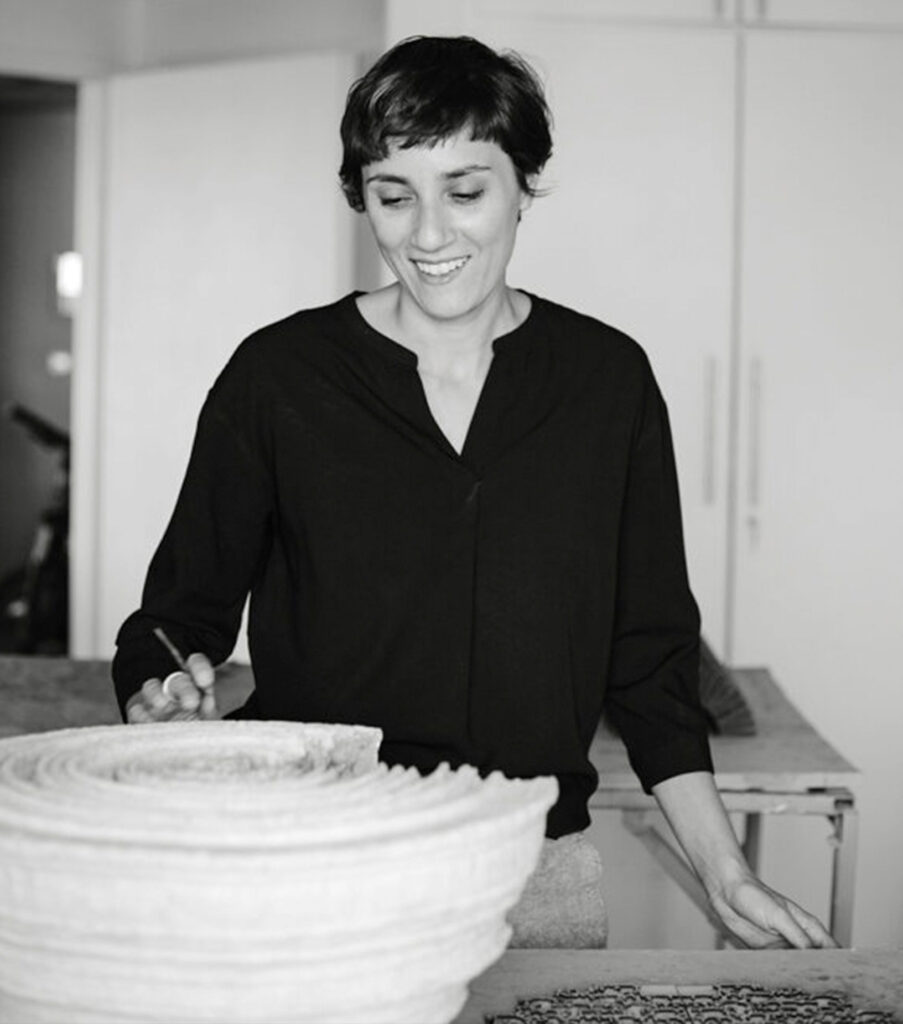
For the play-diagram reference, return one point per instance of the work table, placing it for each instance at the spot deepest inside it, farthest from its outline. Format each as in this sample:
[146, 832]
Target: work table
[786, 768]
[871, 979]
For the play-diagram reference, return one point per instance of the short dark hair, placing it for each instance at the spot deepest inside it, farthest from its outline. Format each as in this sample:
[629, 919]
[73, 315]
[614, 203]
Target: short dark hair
[429, 88]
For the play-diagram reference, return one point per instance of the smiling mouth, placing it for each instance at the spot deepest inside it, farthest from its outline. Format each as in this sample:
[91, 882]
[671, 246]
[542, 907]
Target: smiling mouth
[440, 270]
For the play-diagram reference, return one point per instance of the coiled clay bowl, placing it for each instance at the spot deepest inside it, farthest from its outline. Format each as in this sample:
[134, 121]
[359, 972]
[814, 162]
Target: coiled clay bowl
[250, 871]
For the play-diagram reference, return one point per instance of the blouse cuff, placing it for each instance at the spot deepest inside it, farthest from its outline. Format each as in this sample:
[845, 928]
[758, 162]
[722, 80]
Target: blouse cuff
[687, 754]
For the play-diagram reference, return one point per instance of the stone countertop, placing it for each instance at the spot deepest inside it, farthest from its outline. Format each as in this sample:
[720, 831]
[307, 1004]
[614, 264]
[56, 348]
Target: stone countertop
[38, 694]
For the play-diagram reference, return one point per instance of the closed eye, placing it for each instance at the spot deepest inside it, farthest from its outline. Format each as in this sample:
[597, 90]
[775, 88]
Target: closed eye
[468, 197]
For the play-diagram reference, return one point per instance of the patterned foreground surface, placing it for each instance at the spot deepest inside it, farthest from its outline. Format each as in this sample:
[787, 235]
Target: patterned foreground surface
[690, 1004]
[666, 986]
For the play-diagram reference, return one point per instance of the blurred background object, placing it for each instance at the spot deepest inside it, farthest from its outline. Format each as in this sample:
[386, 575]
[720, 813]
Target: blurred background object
[34, 597]
[37, 195]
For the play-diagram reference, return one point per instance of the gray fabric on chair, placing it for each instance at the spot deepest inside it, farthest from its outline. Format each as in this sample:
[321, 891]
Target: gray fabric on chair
[562, 905]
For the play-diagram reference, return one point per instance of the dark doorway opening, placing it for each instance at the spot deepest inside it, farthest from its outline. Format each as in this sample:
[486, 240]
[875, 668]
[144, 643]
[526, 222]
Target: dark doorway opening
[37, 176]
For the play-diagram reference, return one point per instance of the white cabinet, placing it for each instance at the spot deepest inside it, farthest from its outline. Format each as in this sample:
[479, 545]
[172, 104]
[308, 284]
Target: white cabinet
[819, 556]
[821, 497]
[819, 592]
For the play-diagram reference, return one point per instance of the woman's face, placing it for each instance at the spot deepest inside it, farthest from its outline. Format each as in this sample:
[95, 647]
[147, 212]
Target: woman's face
[445, 219]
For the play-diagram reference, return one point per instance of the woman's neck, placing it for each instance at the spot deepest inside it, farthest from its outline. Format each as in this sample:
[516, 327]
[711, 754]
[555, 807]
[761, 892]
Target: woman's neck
[456, 348]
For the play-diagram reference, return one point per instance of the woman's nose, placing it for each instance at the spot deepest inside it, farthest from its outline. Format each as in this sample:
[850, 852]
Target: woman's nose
[431, 228]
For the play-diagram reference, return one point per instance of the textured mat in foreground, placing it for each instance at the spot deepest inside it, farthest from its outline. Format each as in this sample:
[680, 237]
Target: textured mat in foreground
[691, 1004]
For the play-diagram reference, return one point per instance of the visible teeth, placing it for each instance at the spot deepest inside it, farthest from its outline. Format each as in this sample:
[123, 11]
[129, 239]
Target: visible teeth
[438, 269]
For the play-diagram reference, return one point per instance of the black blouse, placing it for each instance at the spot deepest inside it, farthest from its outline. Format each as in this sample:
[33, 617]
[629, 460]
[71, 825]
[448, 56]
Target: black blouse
[479, 608]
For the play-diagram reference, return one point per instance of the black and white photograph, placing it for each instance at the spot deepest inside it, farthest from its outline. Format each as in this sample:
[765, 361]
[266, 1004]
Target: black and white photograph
[451, 561]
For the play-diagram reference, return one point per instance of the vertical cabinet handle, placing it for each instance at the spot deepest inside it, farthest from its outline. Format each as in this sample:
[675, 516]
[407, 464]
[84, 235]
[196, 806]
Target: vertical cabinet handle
[753, 479]
[710, 405]
[754, 463]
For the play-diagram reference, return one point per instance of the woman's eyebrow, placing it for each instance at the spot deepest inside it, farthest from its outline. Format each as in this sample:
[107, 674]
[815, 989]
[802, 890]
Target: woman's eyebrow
[462, 172]
[459, 172]
[394, 179]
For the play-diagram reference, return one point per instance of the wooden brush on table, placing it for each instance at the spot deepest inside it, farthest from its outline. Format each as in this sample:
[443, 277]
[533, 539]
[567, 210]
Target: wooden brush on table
[726, 709]
[725, 706]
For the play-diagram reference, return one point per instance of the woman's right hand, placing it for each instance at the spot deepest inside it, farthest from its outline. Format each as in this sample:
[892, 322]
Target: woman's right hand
[182, 695]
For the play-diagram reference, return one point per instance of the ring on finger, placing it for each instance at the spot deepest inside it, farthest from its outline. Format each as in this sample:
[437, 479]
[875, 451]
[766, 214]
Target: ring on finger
[166, 688]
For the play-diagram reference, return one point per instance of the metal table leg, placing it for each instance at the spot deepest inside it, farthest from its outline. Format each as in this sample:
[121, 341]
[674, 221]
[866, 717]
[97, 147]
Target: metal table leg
[843, 877]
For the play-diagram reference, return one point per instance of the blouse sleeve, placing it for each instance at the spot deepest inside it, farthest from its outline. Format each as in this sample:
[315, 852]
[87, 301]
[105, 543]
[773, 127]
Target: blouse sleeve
[215, 542]
[652, 695]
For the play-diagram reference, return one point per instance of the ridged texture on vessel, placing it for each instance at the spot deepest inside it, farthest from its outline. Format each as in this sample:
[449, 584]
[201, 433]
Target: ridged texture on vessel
[236, 871]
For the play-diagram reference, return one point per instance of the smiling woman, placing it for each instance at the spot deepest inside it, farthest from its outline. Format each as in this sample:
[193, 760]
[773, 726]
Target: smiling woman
[455, 507]
[445, 220]
[444, 140]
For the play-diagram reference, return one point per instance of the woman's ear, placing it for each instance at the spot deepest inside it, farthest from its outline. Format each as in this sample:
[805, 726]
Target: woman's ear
[526, 197]
[532, 188]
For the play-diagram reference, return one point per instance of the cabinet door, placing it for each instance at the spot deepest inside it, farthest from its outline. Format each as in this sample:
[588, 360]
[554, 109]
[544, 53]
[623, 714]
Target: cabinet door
[819, 595]
[215, 209]
[636, 228]
[806, 14]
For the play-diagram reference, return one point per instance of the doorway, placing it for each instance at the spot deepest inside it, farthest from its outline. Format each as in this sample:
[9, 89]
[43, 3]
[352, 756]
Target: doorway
[37, 172]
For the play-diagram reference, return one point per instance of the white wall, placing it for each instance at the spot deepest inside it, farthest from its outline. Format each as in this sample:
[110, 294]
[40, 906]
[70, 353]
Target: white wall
[214, 209]
[75, 39]
[175, 32]
[64, 39]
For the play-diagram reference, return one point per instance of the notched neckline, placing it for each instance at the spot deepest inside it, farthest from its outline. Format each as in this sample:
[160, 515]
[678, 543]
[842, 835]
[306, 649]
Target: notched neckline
[501, 345]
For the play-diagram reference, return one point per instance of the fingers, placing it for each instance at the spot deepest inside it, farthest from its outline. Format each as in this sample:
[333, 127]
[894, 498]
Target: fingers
[745, 930]
[819, 936]
[182, 695]
[762, 918]
[201, 670]
[786, 926]
[136, 712]
[204, 676]
[157, 701]
[799, 928]
[148, 703]
[181, 688]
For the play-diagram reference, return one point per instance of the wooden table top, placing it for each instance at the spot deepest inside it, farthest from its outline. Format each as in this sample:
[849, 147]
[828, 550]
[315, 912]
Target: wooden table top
[787, 754]
[871, 979]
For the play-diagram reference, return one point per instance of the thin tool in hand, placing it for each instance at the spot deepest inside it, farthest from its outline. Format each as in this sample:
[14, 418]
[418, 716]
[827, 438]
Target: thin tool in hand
[160, 634]
[177, 657]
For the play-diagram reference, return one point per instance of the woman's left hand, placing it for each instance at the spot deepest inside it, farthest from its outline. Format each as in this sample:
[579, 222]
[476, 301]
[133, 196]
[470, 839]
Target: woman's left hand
[758, 916]
[761, 918]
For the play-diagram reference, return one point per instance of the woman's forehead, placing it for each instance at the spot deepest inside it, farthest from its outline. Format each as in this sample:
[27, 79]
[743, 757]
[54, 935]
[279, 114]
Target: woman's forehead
[454, 154]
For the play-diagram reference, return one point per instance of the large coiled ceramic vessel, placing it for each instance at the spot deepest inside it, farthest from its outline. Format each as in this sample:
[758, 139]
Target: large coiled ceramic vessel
[250, 871]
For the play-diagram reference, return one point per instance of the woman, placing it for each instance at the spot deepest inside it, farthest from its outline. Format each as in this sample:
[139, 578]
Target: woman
[454, 506]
